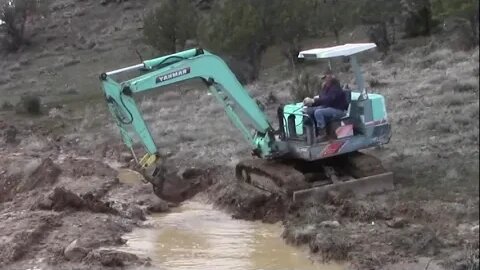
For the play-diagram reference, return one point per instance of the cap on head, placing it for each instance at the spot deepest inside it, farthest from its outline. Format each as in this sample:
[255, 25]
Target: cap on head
[326, 73]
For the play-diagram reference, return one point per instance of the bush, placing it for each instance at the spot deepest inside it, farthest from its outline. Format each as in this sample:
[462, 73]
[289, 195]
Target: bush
[305, 85]
[237, 30]
[168, 27]
[245, 29]
[418, 18]
[15, 14]
[378, 34]
[29, 104]
[6, 106]
[462, 9]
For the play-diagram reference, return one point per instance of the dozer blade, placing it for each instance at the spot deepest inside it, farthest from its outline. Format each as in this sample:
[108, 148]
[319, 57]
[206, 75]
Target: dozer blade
[360, 187]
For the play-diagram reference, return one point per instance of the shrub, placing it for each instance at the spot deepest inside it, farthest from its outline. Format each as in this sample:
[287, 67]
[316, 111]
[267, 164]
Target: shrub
[418, 17]
[236, 30]
[305, 85]
[15, 14]
[463, 9]
[29, 104]
[374, 83]
[169, 26]
[6, 106]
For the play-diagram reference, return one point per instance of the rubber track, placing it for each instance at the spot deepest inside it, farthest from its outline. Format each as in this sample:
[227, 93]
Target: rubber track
[284, 176]
[288, 180]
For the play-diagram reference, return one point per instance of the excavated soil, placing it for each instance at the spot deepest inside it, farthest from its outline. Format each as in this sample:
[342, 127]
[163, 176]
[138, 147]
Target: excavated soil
[61, 210]
[62, 205]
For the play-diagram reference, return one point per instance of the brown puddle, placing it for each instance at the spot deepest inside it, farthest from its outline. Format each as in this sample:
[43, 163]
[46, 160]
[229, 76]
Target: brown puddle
[196, 236]
[129, 177]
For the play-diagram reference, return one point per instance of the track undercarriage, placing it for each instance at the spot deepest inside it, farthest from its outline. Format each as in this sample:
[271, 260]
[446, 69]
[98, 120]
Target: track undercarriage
[360, 173]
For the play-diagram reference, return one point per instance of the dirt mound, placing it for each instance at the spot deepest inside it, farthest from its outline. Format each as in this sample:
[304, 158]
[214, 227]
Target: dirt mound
[77, 251]
[21, 242]
[245, 202]
[62, 199]
[45, 173]
[110, 258]
[76, 167]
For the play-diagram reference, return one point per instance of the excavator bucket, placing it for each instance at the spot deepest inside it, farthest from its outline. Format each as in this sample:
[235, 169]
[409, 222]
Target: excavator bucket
[171, 186]
[174, 189]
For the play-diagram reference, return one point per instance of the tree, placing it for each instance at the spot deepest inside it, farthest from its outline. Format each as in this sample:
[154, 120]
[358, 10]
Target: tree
[237, 29]
[15, 15]
[292, 26]
[169, 26]
[464, 9]
[418, 17]
[305, 84]
[380, 16]
[335, 15]
[245, 29]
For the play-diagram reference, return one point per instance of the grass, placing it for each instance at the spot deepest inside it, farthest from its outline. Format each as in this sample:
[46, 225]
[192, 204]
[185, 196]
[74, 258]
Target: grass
[332, 245]
[468, 259]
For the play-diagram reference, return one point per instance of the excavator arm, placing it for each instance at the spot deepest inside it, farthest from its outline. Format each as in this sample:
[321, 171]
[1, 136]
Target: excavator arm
[179, 67]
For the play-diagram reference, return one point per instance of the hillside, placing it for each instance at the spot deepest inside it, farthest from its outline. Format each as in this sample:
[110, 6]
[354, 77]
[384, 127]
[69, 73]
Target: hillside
[59, 170]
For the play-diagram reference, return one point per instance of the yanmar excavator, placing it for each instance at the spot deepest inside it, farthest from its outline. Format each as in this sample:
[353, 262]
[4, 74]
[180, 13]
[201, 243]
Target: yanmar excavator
[288, 161]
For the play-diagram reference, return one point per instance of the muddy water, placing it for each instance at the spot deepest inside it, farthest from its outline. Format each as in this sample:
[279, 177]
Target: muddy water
[196, 236]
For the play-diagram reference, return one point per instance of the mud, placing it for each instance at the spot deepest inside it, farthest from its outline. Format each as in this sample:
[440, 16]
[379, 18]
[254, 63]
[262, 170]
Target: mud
[196, 235]
[83, 206]
[44, 174]
[245, 202]
[342, 227]
[63, 199]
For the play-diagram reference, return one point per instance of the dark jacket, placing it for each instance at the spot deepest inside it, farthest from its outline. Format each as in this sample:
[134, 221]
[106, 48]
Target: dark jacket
[332, 96]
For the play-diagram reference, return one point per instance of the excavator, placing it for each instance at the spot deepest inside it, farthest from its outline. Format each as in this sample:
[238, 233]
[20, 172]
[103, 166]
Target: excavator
[288, 161]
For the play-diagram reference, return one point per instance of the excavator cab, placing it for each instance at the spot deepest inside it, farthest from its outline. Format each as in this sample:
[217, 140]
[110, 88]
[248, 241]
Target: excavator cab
[364, 110]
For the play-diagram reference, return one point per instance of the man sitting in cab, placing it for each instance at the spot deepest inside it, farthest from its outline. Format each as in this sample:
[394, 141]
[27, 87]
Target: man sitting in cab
[331, 103]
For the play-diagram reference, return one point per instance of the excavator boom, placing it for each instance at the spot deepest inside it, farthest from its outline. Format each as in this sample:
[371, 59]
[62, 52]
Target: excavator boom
[172, 69]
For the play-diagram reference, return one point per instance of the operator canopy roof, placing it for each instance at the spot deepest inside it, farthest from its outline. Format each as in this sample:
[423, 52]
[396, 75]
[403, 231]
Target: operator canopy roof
[336, 51]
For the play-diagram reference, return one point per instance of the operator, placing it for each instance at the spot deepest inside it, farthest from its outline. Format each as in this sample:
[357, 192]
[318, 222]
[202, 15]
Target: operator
[331, 103]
